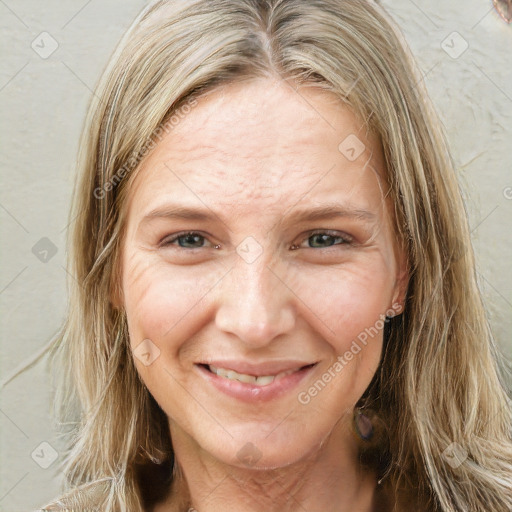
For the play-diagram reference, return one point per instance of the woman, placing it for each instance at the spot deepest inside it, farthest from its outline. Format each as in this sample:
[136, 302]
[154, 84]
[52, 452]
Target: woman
[275, 304]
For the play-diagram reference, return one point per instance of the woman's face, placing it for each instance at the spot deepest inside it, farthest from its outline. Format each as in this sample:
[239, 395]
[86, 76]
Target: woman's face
[259, 331]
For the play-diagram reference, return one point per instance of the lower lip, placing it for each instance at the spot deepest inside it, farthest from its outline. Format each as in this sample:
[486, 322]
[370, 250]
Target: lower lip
[252, 393]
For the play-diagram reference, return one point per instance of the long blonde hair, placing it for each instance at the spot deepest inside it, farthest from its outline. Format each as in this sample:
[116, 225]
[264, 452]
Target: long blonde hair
[439, 387]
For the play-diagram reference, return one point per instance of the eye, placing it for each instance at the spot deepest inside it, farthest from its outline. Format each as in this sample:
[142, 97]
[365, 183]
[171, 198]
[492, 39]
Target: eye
[326, 239]
[317, 240]
[186, 240]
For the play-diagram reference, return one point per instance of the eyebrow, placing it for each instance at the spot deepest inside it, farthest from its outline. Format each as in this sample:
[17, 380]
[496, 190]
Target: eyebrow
[323, 212]
[329, 211]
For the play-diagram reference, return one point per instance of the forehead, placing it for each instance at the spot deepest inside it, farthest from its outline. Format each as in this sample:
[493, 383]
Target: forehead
[262, 142]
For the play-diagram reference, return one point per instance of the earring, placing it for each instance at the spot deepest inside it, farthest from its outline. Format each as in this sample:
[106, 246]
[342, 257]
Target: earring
[363, 424]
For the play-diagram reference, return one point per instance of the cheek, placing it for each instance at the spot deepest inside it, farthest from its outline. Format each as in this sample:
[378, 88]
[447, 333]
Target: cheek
[160, 301]
[347, 302]
[349, 308]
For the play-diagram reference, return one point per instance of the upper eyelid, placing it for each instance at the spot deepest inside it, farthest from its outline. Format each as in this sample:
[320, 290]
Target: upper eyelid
[348, 239]
[175, 236]
[330, 232]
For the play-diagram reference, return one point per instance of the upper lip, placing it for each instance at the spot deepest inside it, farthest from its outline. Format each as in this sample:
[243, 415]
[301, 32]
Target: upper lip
[258, 369]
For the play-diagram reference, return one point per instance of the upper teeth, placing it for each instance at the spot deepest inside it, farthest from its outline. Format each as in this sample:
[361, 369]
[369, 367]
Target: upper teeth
[262, 380]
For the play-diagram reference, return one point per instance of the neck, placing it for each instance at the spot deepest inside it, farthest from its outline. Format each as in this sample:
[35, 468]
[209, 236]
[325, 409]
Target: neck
[329, 475]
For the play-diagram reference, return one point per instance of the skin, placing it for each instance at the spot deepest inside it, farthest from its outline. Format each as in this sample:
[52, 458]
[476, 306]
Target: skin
[254, 153]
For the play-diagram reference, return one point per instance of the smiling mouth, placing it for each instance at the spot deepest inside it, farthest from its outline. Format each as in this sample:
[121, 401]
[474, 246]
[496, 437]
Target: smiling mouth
[257, 380]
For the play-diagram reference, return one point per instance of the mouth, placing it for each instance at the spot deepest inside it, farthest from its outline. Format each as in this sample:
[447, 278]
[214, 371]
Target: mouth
[257, 380]
[254, 383]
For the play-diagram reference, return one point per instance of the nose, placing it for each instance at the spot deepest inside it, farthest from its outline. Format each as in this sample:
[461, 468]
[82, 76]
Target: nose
[255, 304]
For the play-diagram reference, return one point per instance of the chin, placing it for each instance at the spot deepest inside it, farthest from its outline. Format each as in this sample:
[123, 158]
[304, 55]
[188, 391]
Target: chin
[265, 447]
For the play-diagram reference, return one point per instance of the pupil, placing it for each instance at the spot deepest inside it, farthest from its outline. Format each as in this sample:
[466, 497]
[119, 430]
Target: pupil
[322, 239]
[190, 239]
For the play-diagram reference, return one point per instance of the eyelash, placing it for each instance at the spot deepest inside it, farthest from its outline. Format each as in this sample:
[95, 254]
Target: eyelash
[346, 239]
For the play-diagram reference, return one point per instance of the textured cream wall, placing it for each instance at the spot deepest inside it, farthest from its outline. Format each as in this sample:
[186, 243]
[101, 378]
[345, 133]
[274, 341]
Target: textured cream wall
[43, 98]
